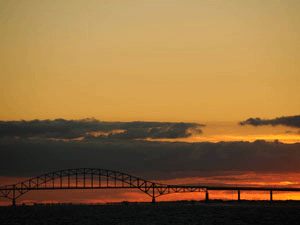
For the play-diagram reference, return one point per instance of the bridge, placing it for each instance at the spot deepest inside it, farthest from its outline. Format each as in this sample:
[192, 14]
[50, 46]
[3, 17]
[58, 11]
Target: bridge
[93, 178]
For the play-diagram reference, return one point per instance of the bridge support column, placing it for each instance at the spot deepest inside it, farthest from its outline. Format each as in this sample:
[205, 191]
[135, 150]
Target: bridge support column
[206, 196]
[153, 194]
[239, 195]
[271, 195]
[14, 196]
[153, 199]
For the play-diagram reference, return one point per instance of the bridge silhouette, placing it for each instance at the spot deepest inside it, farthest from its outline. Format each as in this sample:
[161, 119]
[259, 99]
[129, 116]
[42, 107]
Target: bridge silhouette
[93, 178]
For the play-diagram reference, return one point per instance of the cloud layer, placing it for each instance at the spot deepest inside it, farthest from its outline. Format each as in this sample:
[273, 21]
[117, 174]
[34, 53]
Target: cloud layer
[91, 128]
[41, 147]
[290, 121]
[152, 160]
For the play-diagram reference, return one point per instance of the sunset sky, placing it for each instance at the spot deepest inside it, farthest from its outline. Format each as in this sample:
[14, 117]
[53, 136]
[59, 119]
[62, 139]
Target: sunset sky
[150, 87]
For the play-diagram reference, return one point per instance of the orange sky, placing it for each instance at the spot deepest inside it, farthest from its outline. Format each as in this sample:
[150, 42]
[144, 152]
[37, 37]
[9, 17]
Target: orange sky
[209, 62]
[157, 60]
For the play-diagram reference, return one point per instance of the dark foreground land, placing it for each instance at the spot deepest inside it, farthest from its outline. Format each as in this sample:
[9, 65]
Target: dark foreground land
[214, 212]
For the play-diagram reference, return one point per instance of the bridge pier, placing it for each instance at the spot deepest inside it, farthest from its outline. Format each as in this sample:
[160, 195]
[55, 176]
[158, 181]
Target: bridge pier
[239, 195]
[14, 196]
[271, 195]
[153, 199]
[153, 193]
[206, 196]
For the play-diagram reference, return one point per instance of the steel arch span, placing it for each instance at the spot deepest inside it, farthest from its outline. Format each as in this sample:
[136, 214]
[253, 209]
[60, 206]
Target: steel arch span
[92, 178]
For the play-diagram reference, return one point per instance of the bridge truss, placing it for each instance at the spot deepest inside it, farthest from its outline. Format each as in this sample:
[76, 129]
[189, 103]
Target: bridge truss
[91, 178]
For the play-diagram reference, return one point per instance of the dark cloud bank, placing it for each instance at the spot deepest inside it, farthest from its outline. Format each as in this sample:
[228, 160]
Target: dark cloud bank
[151, 160]
[71, 129]
[290, 121]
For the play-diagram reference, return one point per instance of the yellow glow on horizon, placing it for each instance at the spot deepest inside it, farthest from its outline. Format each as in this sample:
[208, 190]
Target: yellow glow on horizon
[215, 138]
[98, 133]
[288, 139]
[288, 182]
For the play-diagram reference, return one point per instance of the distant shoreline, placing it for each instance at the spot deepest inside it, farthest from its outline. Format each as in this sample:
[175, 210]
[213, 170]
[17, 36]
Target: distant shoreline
[182, 202]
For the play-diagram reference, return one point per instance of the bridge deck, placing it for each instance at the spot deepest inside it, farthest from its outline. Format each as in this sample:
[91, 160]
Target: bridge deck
[208, 188]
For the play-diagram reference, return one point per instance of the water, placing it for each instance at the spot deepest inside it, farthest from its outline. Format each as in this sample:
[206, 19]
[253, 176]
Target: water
[159, 213]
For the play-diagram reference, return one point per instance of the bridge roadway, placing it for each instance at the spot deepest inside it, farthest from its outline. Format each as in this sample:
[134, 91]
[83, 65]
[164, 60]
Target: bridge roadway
[91, 178]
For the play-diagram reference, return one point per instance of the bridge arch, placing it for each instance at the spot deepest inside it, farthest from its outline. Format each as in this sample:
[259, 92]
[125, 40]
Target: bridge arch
[91, 178]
